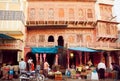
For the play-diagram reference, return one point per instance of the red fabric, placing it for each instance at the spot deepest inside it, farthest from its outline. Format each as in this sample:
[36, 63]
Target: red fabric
[32, 67]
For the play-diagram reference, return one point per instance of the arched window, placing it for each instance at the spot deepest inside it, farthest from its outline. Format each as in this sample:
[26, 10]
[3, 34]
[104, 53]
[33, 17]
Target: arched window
[33, 39]
[41, 38]
[60, 41]
[80, 13]
[89, 13]
[71, 13]
[41, 13]
[71, 39]
[51, 39]
[88, 38]
[51, 13]
[32, 13]
[79, 38]
[61, 12]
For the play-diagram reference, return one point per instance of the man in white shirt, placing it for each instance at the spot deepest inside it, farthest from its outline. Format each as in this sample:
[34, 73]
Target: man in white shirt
[30, 60]
[101, 70]
[29, 63]
[22, 65]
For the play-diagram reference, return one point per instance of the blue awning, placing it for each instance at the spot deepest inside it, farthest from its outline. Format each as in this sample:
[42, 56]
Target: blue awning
[4, 36]
[52, 50]
[83, 49]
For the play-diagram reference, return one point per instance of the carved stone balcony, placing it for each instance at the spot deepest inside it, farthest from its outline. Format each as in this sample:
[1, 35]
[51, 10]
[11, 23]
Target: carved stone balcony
[111, 38]
[60, 24]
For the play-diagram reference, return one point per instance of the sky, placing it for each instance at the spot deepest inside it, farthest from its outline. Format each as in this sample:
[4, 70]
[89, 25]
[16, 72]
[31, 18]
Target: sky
[116, 9]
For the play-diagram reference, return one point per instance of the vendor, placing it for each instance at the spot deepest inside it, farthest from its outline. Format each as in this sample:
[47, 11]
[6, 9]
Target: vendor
[72, 66]
[89, 63]
[46, 68]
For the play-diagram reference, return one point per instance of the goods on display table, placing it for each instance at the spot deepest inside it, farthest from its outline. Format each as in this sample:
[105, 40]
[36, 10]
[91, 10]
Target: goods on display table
[58, 75]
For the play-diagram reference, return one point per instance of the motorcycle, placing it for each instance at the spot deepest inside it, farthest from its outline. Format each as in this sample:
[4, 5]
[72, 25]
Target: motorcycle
[31, 76]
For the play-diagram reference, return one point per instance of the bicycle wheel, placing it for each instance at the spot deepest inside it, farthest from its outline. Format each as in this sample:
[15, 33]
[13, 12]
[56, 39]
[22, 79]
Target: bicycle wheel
[40, 77]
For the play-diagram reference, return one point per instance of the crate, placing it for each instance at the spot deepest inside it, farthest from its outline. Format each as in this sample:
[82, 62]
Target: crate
[58, 76]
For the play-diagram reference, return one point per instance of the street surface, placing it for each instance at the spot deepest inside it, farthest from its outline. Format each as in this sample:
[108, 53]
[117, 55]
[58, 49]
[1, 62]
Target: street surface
[64, 78]
[67, 79]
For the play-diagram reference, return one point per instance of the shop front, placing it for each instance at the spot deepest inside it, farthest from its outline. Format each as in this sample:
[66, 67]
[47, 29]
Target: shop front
[40, 54]
[85, 61]
[10, 51]
[81, 55]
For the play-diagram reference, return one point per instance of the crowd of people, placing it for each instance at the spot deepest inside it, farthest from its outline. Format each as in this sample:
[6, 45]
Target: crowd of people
[96, 72]
[9, 71]
[101, 68]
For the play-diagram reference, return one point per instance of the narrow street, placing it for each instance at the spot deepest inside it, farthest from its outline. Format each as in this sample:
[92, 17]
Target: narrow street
[65, 80]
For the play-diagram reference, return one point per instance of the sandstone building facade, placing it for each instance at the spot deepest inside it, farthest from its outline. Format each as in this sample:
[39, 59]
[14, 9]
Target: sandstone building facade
[66, 25]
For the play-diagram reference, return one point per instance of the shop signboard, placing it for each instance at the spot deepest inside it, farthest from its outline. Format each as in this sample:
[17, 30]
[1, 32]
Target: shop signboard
[11, 44]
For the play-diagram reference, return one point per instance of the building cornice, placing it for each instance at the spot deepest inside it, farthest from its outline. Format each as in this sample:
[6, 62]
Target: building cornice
[114, 22]
[66, 0]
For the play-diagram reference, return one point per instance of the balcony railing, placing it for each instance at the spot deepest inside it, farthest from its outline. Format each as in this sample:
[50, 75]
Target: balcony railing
[12, 15]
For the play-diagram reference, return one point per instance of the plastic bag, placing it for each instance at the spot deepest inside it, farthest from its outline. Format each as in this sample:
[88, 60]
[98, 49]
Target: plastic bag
[94, 75]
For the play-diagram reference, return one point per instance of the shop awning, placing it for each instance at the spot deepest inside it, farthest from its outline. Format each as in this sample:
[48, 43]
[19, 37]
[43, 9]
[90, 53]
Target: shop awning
[4, 36]
[83, 49]
[105, 49]
[52, 50]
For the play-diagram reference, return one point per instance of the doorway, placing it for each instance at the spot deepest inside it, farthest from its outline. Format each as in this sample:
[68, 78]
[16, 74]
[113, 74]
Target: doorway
[10, 57]
[60, 41]
[50, 59]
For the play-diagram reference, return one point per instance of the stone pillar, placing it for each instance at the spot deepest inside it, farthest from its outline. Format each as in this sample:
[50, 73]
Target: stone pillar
[102, 57]
[80, 56]
[68, 61]
[44, 56]
[36, 58]
[40, 58]
[85, 57]
[1, 57]
[56, 59]
[119, 57]
[77, 59]
[109, 60]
